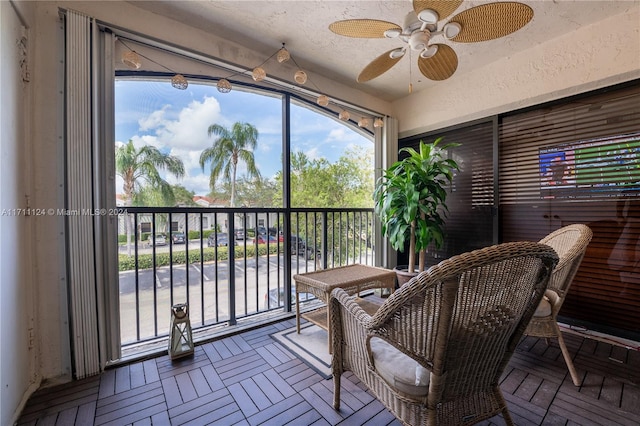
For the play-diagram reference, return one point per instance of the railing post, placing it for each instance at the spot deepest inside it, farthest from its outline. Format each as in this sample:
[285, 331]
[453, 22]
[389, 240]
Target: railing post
[325, 243]
[231, 268]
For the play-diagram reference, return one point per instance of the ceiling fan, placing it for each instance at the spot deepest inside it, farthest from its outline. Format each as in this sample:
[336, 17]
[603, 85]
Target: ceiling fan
[436, 61]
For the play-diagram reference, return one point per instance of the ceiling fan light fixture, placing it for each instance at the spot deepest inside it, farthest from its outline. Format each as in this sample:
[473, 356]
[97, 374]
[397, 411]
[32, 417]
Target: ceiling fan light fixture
[344, 115]
[378, 122]
[258, 74]
[300, 77]
[451, 29]
[392, 33]
[323, 100]
[397, 53]
[429, 52]
[428, 16]
[223, 85]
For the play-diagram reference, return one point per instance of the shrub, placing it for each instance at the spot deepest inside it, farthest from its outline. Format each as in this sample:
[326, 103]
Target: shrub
[145, 261]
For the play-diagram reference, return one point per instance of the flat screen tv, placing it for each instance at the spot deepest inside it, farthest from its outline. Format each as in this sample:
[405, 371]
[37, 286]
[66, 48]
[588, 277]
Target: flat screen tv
[595, 168]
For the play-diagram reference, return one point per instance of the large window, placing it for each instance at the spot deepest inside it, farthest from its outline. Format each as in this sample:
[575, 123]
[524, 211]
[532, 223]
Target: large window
[203, 175]
[332, 164]
[178, 123]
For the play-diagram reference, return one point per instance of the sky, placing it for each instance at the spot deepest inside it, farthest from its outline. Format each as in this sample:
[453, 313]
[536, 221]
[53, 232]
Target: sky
[176, 122]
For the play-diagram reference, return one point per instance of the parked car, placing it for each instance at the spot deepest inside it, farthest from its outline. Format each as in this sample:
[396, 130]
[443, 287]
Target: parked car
[159, 240]
[218, 239]
[263, 239]
[261, 230]
[300, 247]
[239, 234]
[178, 238]
[277, 233]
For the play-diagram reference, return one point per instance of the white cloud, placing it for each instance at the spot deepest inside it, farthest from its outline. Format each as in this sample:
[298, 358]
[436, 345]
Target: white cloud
[190, 129]
[199, 183]
[338, 134]
[184, 136]
[153, 120]
[182, 131]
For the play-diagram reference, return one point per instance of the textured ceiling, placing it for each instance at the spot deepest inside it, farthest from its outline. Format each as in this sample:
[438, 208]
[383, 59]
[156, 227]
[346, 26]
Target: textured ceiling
[303, 25]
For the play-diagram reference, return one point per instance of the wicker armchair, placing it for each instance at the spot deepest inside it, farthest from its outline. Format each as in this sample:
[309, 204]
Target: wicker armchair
[570, 242]
[434, 351]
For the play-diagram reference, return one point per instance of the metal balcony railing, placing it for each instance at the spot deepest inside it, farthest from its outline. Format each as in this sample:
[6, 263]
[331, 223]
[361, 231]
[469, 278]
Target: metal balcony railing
[226, 263]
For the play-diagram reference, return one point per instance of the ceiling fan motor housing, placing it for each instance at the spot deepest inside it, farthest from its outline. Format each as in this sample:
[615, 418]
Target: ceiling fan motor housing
[419, 40]
[411, 23]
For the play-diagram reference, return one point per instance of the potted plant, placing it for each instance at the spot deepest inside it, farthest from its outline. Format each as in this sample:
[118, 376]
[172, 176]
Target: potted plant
[410, 200]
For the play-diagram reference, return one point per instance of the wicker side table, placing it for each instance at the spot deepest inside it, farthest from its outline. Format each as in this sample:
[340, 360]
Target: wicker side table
[351, 278]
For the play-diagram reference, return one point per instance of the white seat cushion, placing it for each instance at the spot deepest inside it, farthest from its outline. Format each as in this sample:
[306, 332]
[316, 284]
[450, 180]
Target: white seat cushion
[398, 370]
[543, 309]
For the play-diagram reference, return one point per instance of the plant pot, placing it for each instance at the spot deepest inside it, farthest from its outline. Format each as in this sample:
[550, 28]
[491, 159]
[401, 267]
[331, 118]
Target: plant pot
[403, 275]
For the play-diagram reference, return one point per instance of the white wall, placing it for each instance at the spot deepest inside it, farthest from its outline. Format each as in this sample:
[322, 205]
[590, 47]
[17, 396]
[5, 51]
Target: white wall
[589, 58]
[47, 172]
[18, 350]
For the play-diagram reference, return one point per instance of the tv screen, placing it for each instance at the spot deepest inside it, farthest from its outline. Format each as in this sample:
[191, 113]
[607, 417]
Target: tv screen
[603, 167]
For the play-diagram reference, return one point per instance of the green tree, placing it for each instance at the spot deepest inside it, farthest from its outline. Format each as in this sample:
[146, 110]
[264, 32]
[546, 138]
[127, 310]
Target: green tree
[140, 167]
[349, 182]
[353, 178]
[222, 191]
[256, 192]
[229, 148]
[153, 196]
[182, 196]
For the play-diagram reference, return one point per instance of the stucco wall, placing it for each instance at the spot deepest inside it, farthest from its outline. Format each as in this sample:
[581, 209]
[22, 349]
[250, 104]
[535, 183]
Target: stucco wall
[18, 348]
[592, 57]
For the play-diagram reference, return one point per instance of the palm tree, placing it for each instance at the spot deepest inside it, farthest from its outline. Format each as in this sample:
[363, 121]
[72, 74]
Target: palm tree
[230, 147]
[141, 166]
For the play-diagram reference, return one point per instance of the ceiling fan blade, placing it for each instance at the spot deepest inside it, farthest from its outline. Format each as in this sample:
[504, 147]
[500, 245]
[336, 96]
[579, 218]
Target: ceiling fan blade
[491, 21]
[378, 66]
[440, 66]
[443, 7]
[363, 28]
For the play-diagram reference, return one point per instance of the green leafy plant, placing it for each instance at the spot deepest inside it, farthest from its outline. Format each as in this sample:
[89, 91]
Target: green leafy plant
[410, 199]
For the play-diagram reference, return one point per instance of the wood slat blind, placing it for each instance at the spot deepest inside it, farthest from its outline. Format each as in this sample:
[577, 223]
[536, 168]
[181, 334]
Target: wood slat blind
[470, 202]
[596, 140]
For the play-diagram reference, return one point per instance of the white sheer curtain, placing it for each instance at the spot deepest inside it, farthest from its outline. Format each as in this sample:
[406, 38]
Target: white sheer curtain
[386, 140]
[90, 233]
